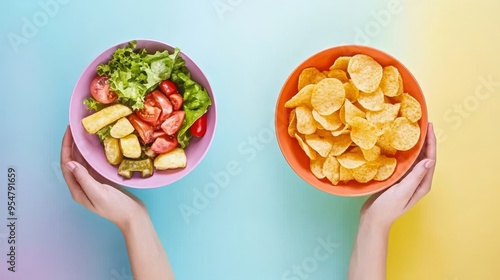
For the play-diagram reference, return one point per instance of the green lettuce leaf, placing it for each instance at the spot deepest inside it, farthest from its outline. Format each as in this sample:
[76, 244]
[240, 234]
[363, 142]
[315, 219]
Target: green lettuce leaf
[93, 105]
[104, 133]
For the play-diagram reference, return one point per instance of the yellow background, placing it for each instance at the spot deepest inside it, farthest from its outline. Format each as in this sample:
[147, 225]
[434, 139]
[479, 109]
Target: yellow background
[454, 233]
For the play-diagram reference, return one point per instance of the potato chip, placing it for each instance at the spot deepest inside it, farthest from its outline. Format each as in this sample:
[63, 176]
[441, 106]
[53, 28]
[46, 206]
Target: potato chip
[405, 134]
[386, 168]
[351, 91]
[309, 152]
[363, 133]
[340, 144]
[292, 124]
[410, 108]
[309, 76]
[401, 88]
[344, 130]
[365, 173]
[383, 119]
[323, 133]
[351, 160]
[342, 114]
[371, 154]
[373, 101]
[351, 112]
[331, 169]
[330, 122]
[341, 63]
[365, 72]
[338, 74]
[305, 121]
[328, 96]
[390, 81]
[317, 167]
[345, 175]
[384, 143]
[303, 97]
[321, 145]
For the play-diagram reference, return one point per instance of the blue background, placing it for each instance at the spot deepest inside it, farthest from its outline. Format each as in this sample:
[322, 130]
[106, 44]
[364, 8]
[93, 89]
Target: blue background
[257, 227]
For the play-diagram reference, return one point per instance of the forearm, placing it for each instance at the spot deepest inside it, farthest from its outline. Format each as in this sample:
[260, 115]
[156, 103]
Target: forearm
[147, 256]
[369, 255]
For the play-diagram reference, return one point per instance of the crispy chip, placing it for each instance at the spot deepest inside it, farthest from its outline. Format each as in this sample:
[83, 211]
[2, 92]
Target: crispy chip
[390, 81]
[303, 97]
[386, 168]
[371, 154]
[384, 118]
[410, 108]
[345, 175]
[292, 125]
[351, 91]
[309, 152]
[340, 144]
[384, 143]
[328, 96]
[351, 112]
[351, 160]
[344, 130]
[405, 134]
[305, 120]
[323, 133]
[330, 122]
[331, 169]
[401, 88]
[339, 74]
[317, 167]
[365, 173]
[365, 72]
[373, 101]
[321, 145]
[341, 63]
[309, 76]
[363, 133]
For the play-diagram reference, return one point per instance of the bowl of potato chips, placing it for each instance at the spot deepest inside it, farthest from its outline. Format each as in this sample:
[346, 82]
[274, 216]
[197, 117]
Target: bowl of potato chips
[351, 120]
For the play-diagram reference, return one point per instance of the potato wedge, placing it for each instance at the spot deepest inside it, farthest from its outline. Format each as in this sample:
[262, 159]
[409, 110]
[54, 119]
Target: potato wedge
[106, 116]
[131, 148]
[172, 160]
[112, 150]
[121, 128]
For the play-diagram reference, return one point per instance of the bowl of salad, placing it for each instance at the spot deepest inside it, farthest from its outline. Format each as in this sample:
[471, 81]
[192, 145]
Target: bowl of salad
[143, 114]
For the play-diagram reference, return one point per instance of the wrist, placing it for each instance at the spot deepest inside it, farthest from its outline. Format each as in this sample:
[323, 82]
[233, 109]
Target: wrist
[373, 226]
[137, 220]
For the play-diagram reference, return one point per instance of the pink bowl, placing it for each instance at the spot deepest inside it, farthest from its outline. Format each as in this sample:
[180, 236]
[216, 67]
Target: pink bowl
[93, 151]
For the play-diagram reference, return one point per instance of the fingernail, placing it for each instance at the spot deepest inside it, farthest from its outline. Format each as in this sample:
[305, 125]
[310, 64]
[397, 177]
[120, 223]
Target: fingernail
[429, 164]
[71, 166]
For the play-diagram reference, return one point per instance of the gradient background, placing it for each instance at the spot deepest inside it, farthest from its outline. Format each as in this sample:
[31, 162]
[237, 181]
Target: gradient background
[267, 219]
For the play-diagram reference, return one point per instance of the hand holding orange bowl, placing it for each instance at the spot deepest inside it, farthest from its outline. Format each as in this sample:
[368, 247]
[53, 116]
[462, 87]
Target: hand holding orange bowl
[297, 158]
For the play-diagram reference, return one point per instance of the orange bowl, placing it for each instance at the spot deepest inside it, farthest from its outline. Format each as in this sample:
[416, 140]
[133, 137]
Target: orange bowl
[296, 157]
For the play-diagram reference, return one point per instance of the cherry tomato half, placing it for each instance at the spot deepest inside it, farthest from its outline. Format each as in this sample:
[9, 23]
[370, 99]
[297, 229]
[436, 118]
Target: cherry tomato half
[164, 144]
[199, 127]
[99, 88]
[168, 87]
[144, 129]
[164, 103]
[173, 123]
[176, 100]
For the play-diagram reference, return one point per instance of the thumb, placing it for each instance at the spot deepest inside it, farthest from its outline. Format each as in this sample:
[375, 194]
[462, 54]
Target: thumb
[89, 185]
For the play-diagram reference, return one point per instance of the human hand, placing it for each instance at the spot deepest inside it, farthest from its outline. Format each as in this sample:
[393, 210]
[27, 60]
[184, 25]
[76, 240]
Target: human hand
[384, 208]
[111, 202]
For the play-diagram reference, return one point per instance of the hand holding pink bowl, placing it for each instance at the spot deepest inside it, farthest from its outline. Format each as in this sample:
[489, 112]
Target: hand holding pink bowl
[93, 151]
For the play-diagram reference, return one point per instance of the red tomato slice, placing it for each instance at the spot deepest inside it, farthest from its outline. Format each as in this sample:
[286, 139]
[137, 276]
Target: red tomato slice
[163, 103]
[168, 87]
[164, 144]
[144, 129]
[173, 123]
[199, 127]
[99, 88]
[176, 100]
[149, 113]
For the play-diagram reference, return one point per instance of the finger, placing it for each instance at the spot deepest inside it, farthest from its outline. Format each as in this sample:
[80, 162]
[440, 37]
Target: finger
[66, 156]
[407, 187]
[430, 141]
[89, 185]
